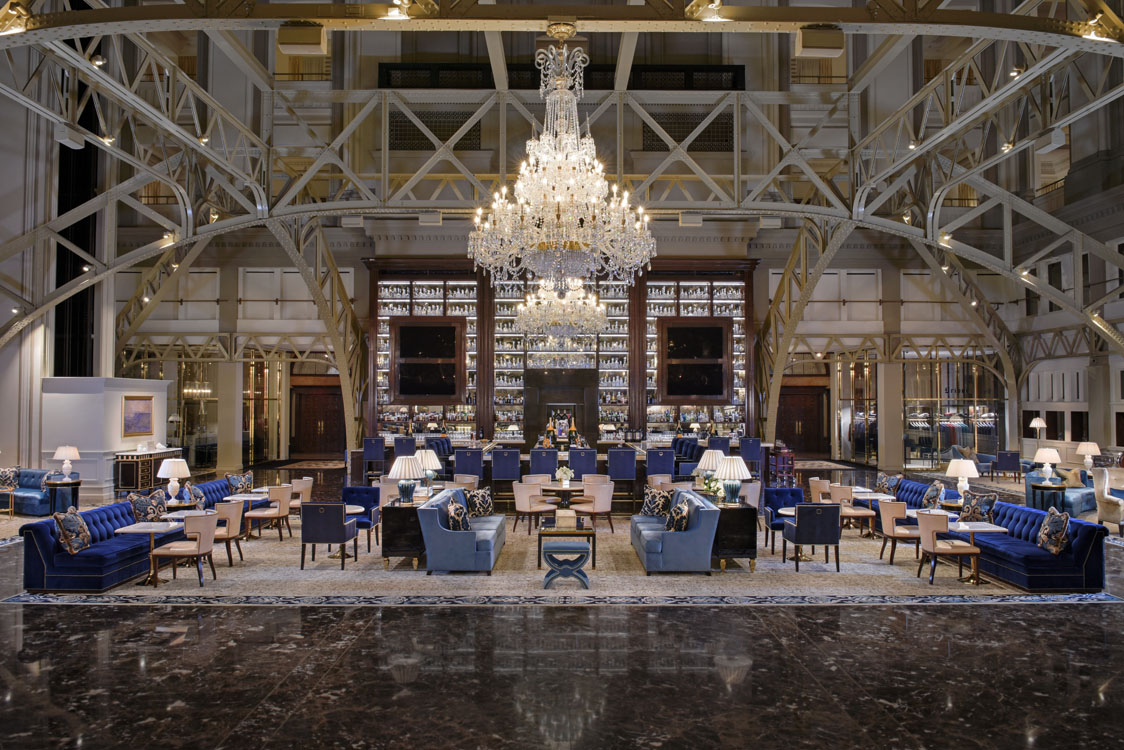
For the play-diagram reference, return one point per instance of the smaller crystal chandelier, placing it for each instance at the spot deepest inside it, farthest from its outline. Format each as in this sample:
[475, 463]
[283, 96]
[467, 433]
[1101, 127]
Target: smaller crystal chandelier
[572, 313]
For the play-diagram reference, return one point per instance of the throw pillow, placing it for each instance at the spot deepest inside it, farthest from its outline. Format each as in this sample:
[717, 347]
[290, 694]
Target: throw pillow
[193, 493]
[933, 494]
[1052, 535]
[968, 453]
[479, 502]
[10, 477]
[240, 483]
[1071, 477]
[458, 518]
[893, 482]
[881, 484]
[74, 534]
[43, 482]
[677, 518]
[979, 506]
[148, 507]
[656, 502]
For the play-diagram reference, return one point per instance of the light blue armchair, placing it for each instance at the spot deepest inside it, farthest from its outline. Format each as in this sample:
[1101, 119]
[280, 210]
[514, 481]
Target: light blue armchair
[448, 550]
[983, 460]
[677, 551]
[1078, 500]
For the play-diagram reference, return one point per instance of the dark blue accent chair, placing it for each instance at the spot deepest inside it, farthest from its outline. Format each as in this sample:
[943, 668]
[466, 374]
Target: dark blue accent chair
[505, 464]
[469, 461]
[815, 524]
[774, 499]
[692, 454]
[622, 464]
[405, 446]
[368, 498]
[680, 445]
[719, 444]
[1010, 461]
[326, 523]
[660, 461]
[544, 461]
[583, 461]
[374, 454]
[751, 453]
[110, 559]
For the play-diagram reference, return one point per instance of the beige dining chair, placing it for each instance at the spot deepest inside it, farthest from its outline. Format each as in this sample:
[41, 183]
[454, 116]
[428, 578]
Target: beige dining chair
[467, 481]
[200, 543]
[388, 490]
[845, 496]
[655, 480]
[529, 503]
[278, 510]
[231, 512]
[819, 490]
[537, 479]
[929, 525]
[302, 492]
[595, 478]
[597, 500]
[890, 512]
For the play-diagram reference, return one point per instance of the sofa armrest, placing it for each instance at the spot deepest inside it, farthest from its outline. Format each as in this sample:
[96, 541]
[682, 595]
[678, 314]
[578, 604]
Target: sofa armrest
[693, 540]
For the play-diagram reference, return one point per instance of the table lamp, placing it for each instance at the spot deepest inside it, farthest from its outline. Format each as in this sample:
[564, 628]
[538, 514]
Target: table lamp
[1038, 423]
[406, 469]
[66, 454]
[708, 462]
[964, 469]
[173, 469]
[695, 427]
[1088, 450]
[1046, 457]
[430, 464]
[431, 427]
[732, 470]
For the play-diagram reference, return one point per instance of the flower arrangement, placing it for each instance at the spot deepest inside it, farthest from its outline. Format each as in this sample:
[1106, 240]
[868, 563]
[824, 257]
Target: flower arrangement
[712, 486]
[564, 474]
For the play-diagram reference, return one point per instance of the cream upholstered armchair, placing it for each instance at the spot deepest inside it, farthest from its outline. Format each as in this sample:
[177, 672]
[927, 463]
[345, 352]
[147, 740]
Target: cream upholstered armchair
[655, 480]
[467, 481]
[845, 496]
[232, 532]
[279, 500]
[302, 492]
[596, 500]
[891, 512]
[529, 503]
[200, 533]
[819, 489]
[1110, 509]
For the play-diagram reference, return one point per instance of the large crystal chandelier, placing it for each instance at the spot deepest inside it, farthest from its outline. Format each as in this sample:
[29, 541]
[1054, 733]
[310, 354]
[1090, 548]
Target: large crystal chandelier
[564, 221]
[562, 316]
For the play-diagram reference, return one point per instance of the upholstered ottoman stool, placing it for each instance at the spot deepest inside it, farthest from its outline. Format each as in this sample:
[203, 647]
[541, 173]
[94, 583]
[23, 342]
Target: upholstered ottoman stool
[565, 567]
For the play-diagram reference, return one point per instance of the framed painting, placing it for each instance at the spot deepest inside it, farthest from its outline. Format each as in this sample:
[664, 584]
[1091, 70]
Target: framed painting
[136, 416]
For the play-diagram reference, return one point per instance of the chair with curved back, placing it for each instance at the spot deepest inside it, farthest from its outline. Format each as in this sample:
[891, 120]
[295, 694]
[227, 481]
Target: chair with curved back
[1110, 509]
[845, 496]
[583, 461]
[202, 528]
[537, 479]
[367, 498]
[890, 512]
[596, 479]
[529, 503]
[470, 481]
[231, 513]
[544, 461]
[815, 524]
[817, 489]
[302, 492]
[278, 510]
[596, 500]
[655, 480]
[930, 524]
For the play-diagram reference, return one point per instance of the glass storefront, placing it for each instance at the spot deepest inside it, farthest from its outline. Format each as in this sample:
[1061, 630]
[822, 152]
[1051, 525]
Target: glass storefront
[947, 404]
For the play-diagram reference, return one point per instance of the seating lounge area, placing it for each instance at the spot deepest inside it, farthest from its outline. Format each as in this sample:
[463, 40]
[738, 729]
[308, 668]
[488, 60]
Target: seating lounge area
[508, 374]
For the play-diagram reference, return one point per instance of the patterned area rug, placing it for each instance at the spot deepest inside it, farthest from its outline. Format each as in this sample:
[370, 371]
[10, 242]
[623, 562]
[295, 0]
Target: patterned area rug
[315, 465]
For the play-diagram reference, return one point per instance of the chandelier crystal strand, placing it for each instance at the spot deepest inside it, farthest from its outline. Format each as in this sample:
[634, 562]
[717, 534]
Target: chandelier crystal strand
[564, 221]
[546, 313]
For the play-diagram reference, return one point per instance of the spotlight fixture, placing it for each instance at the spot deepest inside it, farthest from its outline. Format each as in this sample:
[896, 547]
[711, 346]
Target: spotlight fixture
[946, 239]
[167, 235]
[108, 140]
[912, 145]
[944, 267]
[85, 269]
[145, 299]
[213, 214]
[819, 355]
[397, 13]
[1024, 272]
[974, 303]
[1017, 71]
[1007, 146]
[907, 218]
[204, 140]
[97, 61]
[15, 311]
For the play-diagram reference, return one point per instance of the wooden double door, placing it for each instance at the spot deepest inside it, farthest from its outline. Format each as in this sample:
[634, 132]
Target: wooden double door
[318, 421]
[802, 420]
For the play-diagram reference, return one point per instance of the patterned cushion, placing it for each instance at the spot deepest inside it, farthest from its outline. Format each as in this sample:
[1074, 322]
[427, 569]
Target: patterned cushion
[458, 517]
[74, 534]
[1071, 477]
[240, 483]
[10, 477]
[886, 483]
[1052, 535]
[979, 506]
[656, 502]
[479, 502]
[190, 491]
[933, 494]
[677, 518]
[43, 481]
[148, 507]
[968, 453]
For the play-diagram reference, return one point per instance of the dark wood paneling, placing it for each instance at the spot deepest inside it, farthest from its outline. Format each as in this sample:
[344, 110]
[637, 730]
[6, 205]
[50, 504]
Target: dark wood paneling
[637, 354]
[485, 356]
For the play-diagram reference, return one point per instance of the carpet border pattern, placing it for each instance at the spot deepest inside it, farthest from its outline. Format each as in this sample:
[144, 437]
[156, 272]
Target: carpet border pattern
[548, 600]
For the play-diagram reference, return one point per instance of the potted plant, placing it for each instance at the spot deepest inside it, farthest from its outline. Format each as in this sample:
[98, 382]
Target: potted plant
[564, 474]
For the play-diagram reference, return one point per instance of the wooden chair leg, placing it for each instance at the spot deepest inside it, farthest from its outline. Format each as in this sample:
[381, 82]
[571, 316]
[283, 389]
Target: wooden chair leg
[609, 515]
[883, 552]
[229, 555]
[796, 556]
[921, 564]
[825, 551]
[837, 558]
[959, 566]
[302, 556]
[199, 568]
[368, 540]
[932, 568]
[211, 562]
[280, 531]
[377, 536]
[355, 547]
[174, 566]
[154, 566]
[289, 526]
[893, 549]
[314, 553]
[784, 548]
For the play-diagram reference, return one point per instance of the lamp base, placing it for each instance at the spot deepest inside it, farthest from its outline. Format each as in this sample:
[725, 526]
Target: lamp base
[962, 486]
[66, 467]
[732, 488]
[1088, 463]
[1047, 472]
[406, 490]
[173, 488]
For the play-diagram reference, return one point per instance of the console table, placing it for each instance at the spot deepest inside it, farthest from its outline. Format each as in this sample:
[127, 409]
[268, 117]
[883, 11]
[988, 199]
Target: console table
[401, 533]
[736, 535]
[135, 471]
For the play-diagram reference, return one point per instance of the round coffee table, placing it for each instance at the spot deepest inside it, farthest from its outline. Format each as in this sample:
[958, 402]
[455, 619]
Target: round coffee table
[564, 493]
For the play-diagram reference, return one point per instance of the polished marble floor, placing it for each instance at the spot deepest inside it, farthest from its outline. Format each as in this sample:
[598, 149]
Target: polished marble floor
[918, 676]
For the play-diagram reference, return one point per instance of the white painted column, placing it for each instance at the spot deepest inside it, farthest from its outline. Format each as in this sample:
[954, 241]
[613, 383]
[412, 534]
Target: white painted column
[229, 390]
[891, 417]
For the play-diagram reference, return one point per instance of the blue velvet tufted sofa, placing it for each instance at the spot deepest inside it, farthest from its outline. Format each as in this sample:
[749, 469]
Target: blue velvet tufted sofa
[218, 490]
[910, 492]
[1078, 500]
[1015, 557]
[448, 550]
[677, 551]
[109, 560]
[31, 498]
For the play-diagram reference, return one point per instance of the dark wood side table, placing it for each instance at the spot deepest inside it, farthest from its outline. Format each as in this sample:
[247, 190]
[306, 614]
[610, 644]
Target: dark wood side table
[53, 487]
[1043, 495]
[401, 532]
[736, 535]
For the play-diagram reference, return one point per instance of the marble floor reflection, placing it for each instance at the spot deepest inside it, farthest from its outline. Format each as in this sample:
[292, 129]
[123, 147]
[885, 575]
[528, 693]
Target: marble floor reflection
[531, 677]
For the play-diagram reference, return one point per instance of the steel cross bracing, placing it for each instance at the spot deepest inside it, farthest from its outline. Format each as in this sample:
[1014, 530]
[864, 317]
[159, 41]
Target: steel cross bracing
[156, 346]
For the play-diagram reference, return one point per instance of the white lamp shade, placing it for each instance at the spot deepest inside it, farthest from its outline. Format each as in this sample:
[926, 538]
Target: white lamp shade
[66, 453]
[962, 467]
[406, 467]
[513, 428]
[428, 459]
[710, 460]
[173, 468]
[431, 426]
[1088, 449]
[732, 467]
[695, 426]
[1047, 456]
[1038, 423]
[610, 428]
